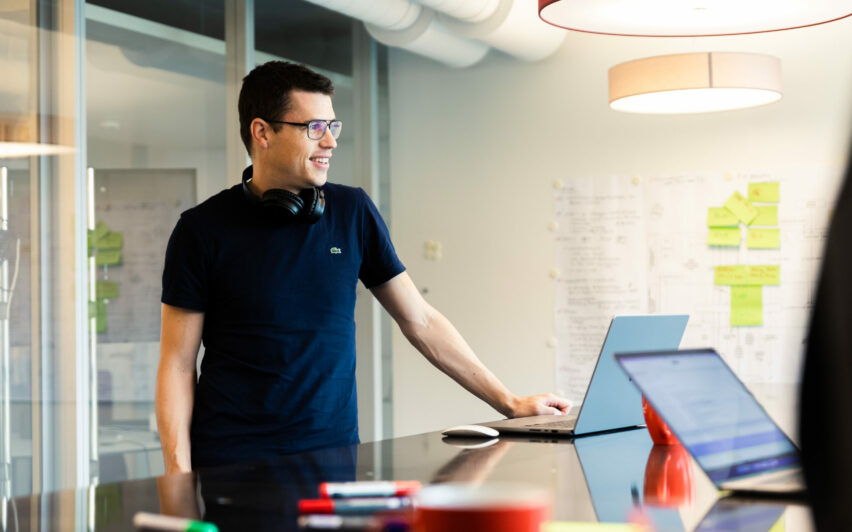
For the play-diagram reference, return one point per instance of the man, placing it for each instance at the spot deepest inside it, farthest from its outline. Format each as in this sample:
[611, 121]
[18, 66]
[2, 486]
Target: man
[265, 273]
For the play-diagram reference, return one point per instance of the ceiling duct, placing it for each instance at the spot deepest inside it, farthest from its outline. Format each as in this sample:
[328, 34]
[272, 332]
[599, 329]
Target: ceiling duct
[514, 28]
[428, 37]
[409, 25]
[390, 14]
[467, 10]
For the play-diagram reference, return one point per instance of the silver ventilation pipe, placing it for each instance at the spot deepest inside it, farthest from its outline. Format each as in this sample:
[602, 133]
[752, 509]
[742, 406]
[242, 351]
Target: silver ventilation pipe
[409, 25]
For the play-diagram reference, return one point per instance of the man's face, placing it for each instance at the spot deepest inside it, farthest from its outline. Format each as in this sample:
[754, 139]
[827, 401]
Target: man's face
[297, 162]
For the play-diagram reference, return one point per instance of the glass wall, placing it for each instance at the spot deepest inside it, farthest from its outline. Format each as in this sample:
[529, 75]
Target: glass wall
[43, 436]
[155, 93]
[126, 104]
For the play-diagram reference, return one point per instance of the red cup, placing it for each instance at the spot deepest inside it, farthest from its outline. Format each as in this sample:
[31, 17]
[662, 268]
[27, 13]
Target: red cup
[497, 507]
[668, 476]
[661, 434]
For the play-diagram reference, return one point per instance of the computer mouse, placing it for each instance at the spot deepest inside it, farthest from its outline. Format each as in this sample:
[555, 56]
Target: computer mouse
[471, 431]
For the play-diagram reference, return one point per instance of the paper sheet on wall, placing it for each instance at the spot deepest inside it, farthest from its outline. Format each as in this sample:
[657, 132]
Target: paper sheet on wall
[600, 235]
[630, 245]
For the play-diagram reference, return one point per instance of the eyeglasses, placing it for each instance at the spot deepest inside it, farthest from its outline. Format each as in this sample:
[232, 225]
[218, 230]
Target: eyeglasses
[316, 128]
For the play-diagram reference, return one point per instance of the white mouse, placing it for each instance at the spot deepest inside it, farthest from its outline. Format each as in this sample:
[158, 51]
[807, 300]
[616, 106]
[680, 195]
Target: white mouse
[468, 431]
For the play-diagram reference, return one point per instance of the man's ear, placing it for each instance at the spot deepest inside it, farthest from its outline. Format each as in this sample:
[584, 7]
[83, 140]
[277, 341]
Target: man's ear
[260, 133]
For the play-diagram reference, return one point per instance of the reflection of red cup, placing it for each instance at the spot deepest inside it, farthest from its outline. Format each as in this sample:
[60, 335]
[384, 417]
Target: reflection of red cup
[668, 476]
[493, 507]
[661, 434]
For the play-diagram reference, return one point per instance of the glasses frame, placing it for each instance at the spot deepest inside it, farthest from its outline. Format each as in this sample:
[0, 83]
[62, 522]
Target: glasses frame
[307, 126]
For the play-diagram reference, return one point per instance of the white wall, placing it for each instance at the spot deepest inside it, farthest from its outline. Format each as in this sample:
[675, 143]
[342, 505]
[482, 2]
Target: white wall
[474, 154]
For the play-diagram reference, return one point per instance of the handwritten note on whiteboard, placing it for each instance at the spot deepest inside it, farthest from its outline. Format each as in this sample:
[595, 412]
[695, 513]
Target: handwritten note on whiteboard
[601, 230]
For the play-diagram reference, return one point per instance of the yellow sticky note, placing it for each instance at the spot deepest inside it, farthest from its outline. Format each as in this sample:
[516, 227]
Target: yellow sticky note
[106, 290]
[724, 236]
[111, 240]
[767, 192]
[579, 526]
[766, 215]
[763, 238]
[764, 274]
[746, 305]
[730, 275]
[741, 208]
[721, 217]
[108, 257]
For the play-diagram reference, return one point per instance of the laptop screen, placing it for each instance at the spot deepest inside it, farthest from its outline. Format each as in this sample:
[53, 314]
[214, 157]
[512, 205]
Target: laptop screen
[711, 412]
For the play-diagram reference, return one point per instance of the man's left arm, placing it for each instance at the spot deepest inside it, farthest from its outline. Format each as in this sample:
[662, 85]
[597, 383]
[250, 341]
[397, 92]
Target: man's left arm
[442, 345]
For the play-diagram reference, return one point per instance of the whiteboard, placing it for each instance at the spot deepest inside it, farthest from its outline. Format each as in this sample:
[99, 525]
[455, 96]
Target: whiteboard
[143, 205]
[638, 244]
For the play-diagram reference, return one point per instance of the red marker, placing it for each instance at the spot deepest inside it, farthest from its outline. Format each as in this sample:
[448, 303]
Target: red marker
[363, 506]
[396, 488]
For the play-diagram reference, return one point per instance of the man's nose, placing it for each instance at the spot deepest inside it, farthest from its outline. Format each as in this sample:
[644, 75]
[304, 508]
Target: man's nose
[328, 140]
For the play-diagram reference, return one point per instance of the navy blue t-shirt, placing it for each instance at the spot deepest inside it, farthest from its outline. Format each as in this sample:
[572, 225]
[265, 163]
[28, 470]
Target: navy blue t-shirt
[278, 374]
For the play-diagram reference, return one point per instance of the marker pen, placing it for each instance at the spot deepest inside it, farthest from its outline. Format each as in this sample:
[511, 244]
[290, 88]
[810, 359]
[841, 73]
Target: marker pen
[352, 523]
[371, 488]
[337, 522]
[147, 520]
[354, 506]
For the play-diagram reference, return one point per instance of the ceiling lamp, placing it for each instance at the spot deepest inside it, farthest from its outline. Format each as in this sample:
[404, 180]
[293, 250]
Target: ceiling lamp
[695, 83]
[24, 136]
[689, 18]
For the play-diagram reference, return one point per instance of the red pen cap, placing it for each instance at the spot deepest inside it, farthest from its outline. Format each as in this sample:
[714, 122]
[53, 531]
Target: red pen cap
[316, 506]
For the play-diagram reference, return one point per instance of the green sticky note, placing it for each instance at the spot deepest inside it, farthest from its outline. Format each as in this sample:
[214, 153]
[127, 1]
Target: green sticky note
[766, 215]
[763, 238]
[100, 230]
[764, 274]
[721, 217]
[724, 236]
[767, 192]
[579, 526]
[746, 305]
[106, 289]
[106, 257]
[101, 317]
[742, 209]
[730, 275]
[111, 240]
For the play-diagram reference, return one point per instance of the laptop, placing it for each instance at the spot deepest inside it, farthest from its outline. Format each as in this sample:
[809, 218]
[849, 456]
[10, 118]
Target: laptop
[611, 402]
[716, 418]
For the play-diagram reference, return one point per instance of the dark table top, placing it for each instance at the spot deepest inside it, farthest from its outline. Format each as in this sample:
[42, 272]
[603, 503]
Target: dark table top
[606, 477]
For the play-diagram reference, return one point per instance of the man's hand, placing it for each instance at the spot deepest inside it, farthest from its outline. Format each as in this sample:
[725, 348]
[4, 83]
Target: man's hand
[535, 405]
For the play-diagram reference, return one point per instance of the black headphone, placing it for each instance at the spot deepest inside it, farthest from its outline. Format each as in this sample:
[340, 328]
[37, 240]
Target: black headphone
[307, 206]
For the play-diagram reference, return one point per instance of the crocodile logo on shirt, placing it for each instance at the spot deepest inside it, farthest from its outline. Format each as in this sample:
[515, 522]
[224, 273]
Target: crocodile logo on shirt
[335, 251]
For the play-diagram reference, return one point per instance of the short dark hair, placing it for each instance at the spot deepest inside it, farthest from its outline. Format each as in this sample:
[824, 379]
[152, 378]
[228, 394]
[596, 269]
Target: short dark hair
[266, 93]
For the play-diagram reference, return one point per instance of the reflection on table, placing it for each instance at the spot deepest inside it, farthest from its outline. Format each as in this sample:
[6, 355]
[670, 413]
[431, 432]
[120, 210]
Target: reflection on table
[610, 477]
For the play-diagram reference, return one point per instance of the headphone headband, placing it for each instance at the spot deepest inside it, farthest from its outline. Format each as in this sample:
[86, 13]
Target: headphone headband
[306, 207]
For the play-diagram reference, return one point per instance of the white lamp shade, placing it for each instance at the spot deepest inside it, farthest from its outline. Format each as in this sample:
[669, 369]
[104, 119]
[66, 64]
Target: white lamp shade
[689, 18]
[695, 83]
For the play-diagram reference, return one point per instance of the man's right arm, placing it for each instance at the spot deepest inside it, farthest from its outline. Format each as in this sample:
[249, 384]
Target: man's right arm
[180, 338]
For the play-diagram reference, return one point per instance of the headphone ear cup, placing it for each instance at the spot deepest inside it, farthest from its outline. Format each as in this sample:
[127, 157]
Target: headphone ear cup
[314, 204]
[282, 202]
